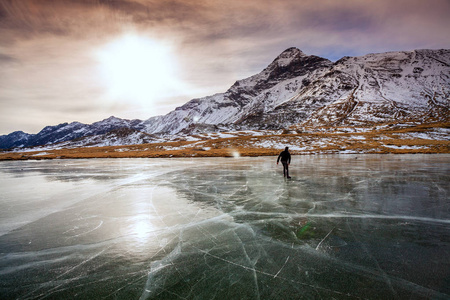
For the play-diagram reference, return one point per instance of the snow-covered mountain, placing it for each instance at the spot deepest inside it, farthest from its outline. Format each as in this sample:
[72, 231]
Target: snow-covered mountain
[247, 102]
[67, 132]
[294, 90]
[376, 88]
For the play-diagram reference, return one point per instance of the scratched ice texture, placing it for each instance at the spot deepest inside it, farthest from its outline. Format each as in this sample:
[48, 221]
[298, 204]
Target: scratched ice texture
[344, 227]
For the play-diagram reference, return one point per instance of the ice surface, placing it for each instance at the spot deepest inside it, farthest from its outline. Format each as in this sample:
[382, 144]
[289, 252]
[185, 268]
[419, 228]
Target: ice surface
[344, 227]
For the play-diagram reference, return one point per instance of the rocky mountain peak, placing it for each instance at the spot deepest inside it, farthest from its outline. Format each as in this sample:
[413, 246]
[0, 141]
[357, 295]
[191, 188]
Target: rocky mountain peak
[112, 119]
[289, 64]
[292, 63]
[287, 56]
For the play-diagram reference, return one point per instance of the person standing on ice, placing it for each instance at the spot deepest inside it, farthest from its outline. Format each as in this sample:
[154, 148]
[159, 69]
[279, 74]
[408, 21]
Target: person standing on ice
[285, 157]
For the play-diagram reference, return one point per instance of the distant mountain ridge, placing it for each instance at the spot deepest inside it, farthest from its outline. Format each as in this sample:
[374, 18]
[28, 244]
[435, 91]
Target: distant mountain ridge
[294, 90]
[66, 132]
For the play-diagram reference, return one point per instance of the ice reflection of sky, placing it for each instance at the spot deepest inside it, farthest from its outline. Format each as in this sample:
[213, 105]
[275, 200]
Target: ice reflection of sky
[344, 227]
[149, 217]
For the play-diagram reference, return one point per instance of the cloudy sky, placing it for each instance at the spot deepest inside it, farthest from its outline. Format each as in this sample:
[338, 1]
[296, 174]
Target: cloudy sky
[85, 60]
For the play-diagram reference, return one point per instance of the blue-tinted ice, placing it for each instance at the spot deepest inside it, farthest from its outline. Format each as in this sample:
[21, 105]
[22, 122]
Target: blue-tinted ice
[343, 227]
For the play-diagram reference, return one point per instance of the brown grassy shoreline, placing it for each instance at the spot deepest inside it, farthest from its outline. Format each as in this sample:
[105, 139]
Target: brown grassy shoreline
[395, 141]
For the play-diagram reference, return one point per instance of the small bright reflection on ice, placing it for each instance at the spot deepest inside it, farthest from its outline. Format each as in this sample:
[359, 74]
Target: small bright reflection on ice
[141, 229]
[235, 153]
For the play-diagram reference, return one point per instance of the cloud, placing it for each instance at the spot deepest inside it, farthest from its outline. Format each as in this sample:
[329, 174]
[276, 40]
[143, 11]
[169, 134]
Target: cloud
[219, 24]
[4, 58]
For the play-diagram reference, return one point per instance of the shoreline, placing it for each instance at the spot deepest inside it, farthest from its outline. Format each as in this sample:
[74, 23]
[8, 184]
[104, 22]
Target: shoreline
[422, 139]
[118, 152]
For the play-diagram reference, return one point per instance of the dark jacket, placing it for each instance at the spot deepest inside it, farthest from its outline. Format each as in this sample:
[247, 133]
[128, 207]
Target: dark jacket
[285, 156]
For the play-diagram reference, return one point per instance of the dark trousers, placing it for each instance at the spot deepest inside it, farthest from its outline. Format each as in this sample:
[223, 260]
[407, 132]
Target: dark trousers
[285, 168]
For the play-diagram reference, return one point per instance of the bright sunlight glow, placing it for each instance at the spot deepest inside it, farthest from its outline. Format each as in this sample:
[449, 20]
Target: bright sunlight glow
[138, 70]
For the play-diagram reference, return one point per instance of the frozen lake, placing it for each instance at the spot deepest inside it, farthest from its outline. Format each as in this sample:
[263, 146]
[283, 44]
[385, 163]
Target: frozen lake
[344, 227]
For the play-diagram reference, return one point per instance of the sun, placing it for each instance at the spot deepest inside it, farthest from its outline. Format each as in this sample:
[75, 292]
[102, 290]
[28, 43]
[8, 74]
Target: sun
[137, 70]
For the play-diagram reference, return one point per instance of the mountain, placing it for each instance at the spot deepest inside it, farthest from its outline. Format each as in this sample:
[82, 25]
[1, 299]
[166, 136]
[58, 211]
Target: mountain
[308, 90]
[388, 87]
[67, 132]
[295, 90]
[247, 102]
[16, 139]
